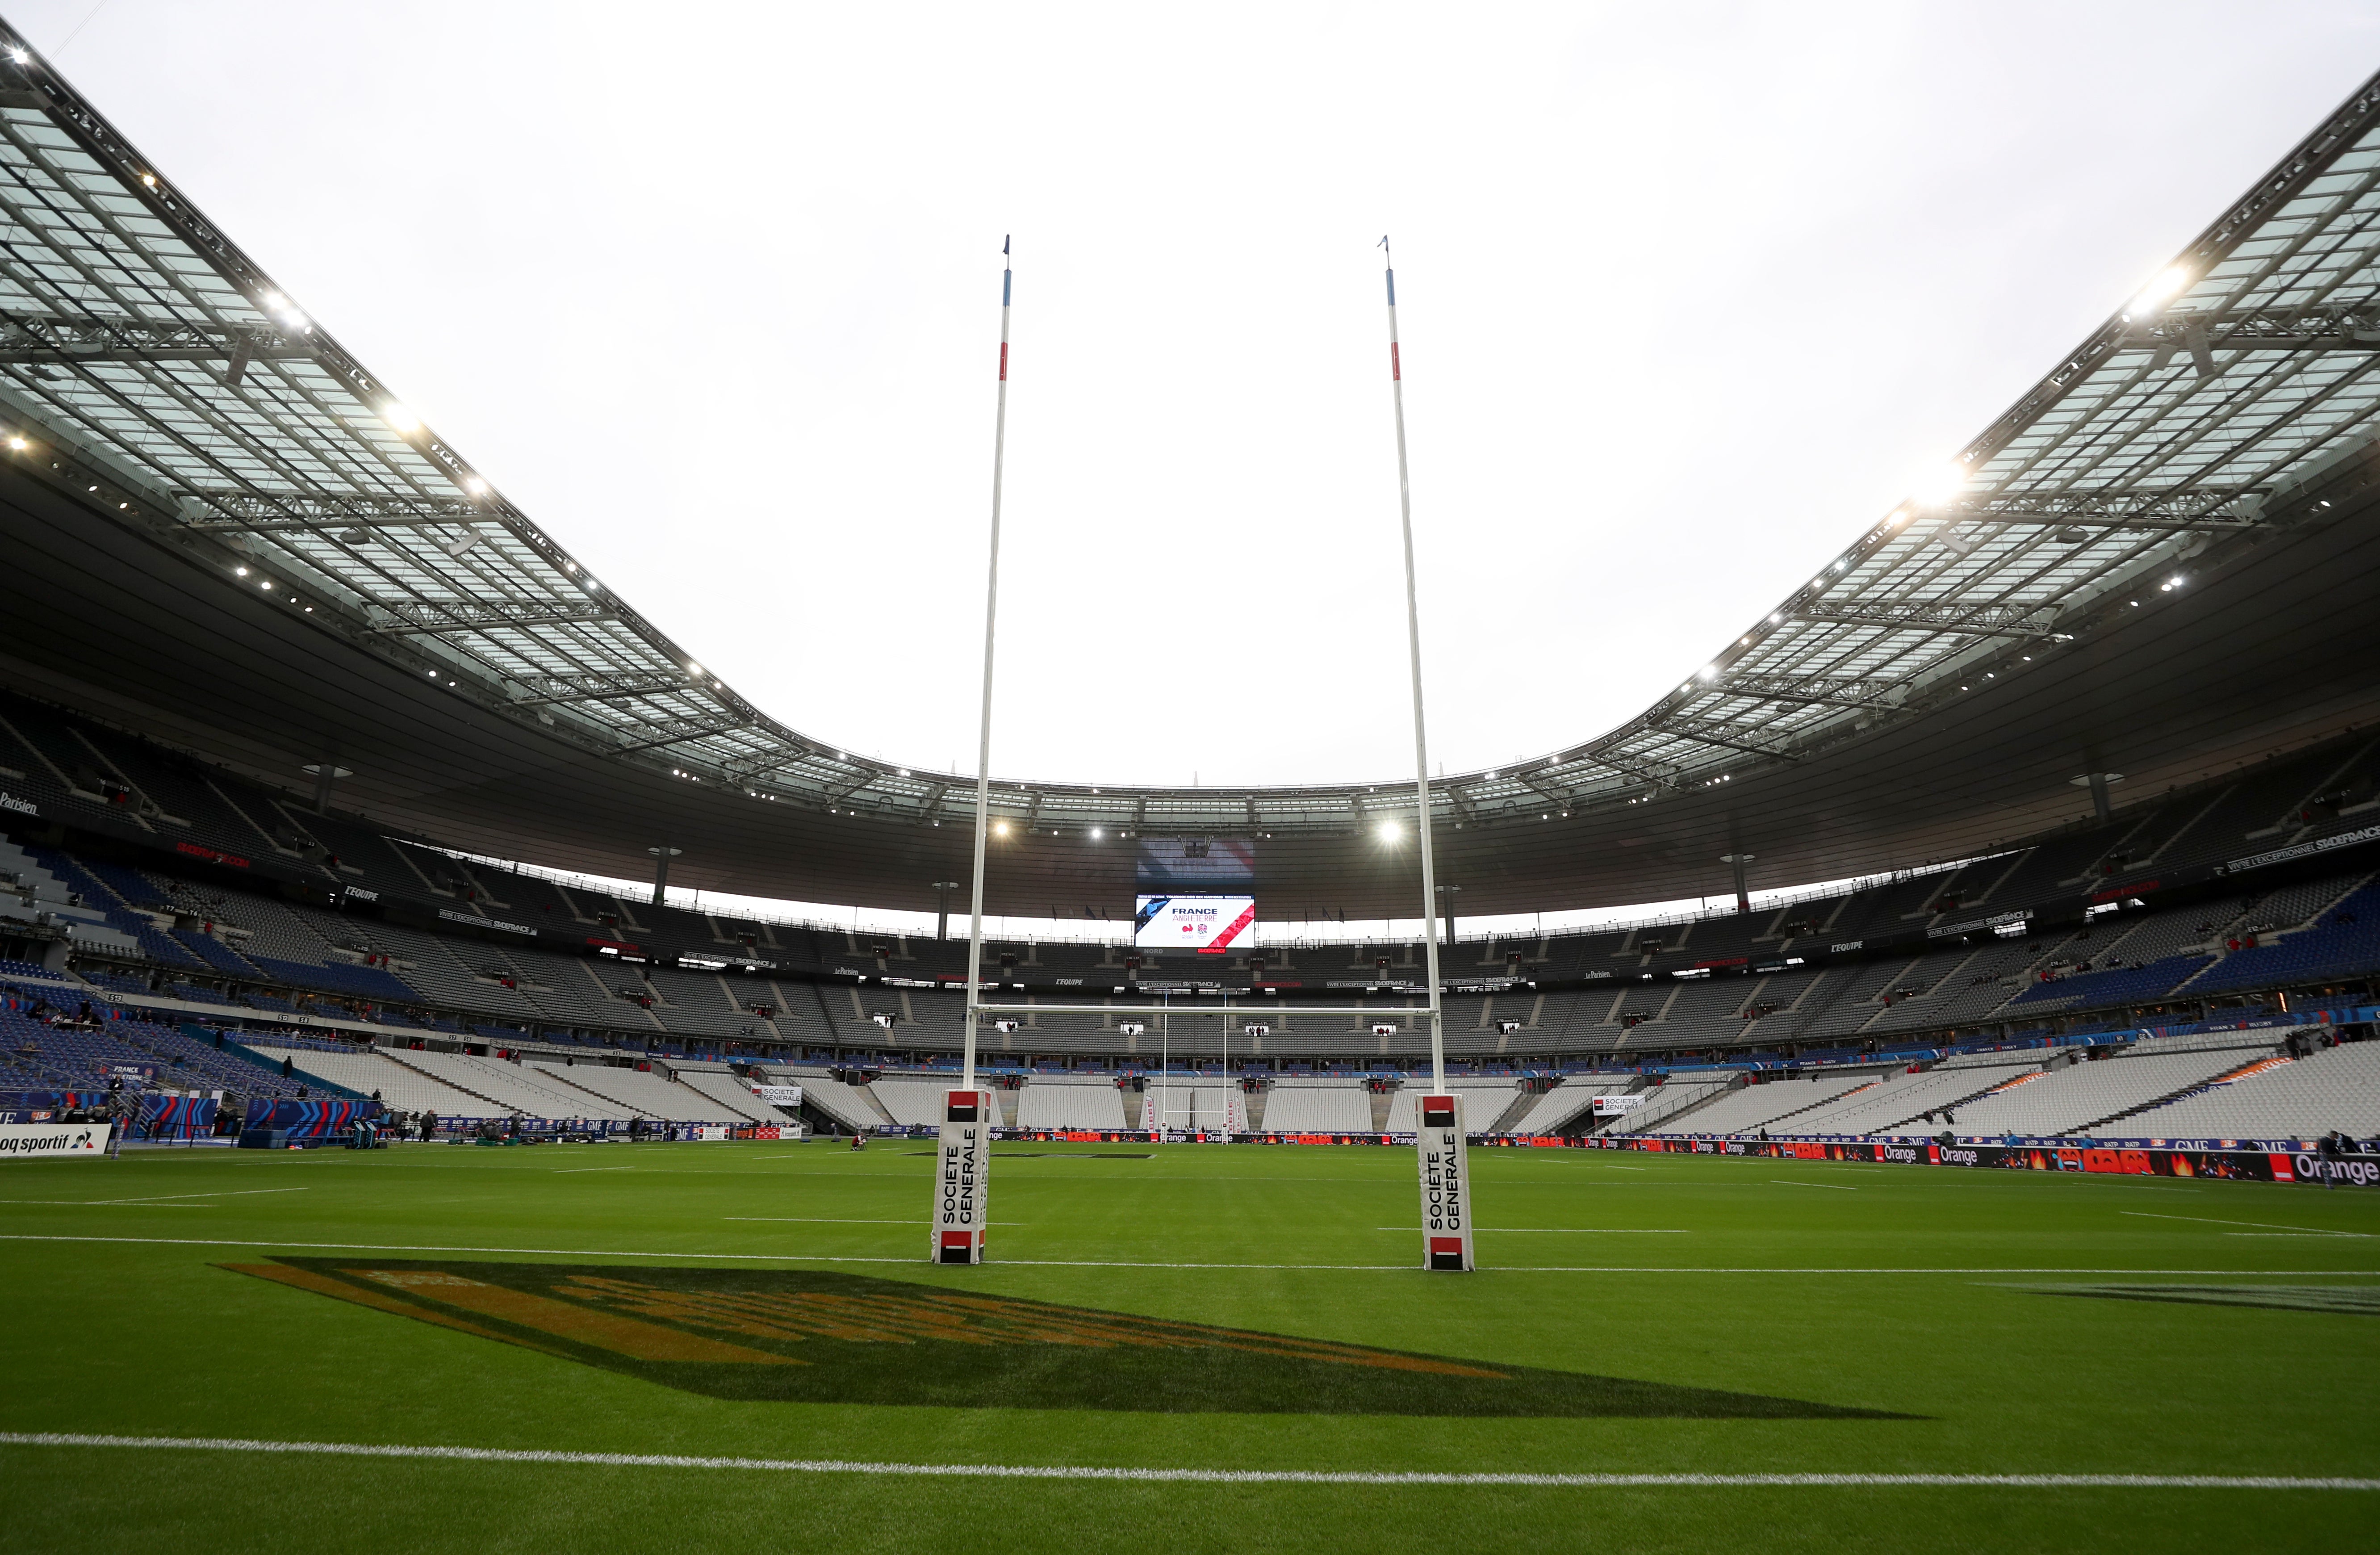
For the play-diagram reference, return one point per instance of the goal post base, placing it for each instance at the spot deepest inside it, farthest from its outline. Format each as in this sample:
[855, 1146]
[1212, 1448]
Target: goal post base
[962, 1176]
[1445, 1185]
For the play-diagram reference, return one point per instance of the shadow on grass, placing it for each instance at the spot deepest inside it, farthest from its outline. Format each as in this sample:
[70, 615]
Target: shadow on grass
[818, 1337]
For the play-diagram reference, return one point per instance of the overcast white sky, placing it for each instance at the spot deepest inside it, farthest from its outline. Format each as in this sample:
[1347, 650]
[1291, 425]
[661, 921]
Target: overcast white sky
[1691, 295]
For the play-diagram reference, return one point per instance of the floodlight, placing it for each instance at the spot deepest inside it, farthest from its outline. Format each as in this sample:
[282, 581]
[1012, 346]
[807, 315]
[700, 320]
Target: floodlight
[2170, 282]
[1391, 831]
[402, 418]
[1938, 486]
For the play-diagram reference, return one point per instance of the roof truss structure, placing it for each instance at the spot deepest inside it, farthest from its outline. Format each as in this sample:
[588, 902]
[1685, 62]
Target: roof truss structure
[152, 368]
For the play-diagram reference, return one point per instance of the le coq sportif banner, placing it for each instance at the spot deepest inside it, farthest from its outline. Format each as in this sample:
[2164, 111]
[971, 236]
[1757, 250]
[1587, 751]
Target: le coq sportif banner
[45, 1141]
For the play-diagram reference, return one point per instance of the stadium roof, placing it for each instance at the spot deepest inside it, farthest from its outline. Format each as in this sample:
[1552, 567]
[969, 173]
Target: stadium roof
[1924, 695]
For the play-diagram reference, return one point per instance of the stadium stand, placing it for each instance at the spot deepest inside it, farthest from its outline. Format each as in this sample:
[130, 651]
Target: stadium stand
[1780, 1104]
[2335, 1088]
[1900, 1099]
[398, 1086]
[1669, 1105]
[732, 1094]
[632, 1092]
[850, 1106]
[1318, 1107]
[1047, 1103]
[2080, 1096]
[1483, 1101]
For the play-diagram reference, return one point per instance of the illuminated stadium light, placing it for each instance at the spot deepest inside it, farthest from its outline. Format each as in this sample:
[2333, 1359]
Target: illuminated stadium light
[476, 486]
[1391, 831]
[239, 572]
[1097, 833]
[1000, 829]
[398, 416]
[694, 670]
[21, 56]
[264, 583]
[2170, 282]
[1938, 486]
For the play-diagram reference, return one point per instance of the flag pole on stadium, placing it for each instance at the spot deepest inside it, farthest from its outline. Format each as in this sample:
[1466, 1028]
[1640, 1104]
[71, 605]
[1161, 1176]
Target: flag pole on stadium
[1439, 1139]
[983, 751]
[1421, 736]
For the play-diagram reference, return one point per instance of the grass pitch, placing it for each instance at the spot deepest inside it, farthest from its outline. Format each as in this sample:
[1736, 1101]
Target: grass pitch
[1245, 1309]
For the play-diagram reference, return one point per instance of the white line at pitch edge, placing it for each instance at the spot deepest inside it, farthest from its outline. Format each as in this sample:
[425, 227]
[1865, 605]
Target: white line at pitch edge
[1794, 1183]
[1198, 1477]
[2267, 1225]
[824, 1220]
[1123, 1263]
[1564, 1231]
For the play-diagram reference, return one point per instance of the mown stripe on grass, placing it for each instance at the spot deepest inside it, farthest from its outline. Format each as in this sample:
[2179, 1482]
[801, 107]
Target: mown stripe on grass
[1192, 1475]
[1132, 1263]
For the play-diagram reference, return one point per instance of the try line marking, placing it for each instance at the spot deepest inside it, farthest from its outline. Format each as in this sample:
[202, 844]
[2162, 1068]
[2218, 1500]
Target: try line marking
[1130, 1263]
[1190, 1475]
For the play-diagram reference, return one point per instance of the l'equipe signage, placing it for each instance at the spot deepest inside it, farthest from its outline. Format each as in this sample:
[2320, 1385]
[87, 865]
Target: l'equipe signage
[1206, 925]
[27, 1141]
[962, 1167]
[1445, 1184]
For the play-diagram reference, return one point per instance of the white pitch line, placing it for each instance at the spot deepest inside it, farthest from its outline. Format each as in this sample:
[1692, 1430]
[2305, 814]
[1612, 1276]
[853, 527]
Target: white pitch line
[822, 1221]
[163, 1199]
[567, 1170]
[1123, 1263]
[1797, 1183]
[1197, 1476]
[1564, 1231]
[2266, 1225]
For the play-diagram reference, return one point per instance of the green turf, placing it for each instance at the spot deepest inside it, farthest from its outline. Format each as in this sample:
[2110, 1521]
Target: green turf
[1888, 1319]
